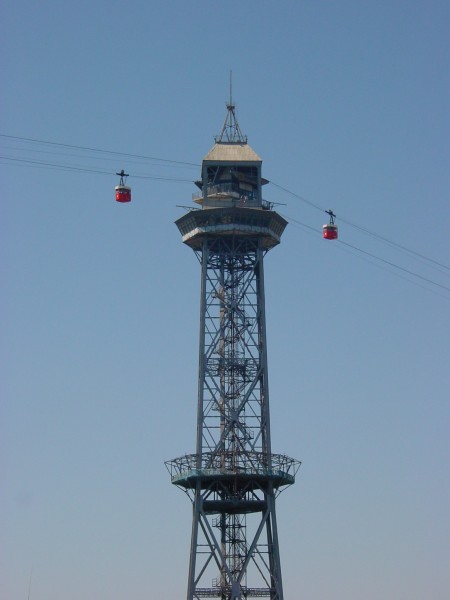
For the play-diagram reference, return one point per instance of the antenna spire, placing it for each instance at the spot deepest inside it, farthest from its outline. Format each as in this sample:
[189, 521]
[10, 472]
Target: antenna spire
[231, 132]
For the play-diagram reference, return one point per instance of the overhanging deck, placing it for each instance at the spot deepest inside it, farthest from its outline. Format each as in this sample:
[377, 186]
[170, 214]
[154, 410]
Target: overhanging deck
[248, 470]
[231, 221]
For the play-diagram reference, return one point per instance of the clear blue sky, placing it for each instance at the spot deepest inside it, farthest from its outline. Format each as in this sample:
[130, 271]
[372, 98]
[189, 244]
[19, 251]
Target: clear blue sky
[347, 103]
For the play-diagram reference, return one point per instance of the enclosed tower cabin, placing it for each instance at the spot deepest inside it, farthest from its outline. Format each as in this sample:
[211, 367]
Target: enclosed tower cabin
[231, 176]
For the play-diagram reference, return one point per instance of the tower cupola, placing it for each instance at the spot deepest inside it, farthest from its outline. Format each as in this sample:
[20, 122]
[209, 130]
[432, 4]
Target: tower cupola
[231, 171]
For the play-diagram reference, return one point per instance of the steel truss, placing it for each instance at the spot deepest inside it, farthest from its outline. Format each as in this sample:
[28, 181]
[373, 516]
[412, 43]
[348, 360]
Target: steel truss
[233, 479]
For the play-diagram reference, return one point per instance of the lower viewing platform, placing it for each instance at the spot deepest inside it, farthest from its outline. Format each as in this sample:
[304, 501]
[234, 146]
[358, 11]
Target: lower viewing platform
[246, 467]
[225, 592]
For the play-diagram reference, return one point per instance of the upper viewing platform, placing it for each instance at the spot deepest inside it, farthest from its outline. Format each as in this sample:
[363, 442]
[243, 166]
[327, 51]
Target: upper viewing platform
[231, 171]
[230, 195]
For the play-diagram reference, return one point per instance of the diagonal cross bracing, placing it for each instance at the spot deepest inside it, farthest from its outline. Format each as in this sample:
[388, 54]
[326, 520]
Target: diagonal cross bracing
[234, 478]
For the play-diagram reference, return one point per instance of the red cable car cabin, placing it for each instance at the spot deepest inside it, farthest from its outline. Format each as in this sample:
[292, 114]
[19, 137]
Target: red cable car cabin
[123, 192]
[330, 232]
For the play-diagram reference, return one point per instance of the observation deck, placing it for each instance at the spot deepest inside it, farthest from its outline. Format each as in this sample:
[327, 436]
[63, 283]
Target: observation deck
[225, 592]
[220, 195]
[231, 221]
[252, 470]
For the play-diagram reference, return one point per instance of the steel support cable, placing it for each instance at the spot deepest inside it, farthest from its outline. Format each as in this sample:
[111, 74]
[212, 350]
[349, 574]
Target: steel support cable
[62, 167]
[175, 162]
[100, 150]
[364, 229]
[391, 264]
[135, 161]
[383, 260]
[395, 244]
[280, 187]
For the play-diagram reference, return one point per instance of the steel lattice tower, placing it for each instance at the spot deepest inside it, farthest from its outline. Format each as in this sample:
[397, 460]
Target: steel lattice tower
[233, 478]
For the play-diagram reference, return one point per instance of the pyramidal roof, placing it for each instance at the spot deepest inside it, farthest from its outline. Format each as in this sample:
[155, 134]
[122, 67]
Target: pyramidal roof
[231, 145]
[232, 152]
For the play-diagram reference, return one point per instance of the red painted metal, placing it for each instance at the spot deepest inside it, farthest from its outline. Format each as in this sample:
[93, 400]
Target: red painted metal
[123, 193]
[330, 232]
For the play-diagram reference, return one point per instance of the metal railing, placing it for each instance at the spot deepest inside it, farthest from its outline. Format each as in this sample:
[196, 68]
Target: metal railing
[231, 463]
[231, 190]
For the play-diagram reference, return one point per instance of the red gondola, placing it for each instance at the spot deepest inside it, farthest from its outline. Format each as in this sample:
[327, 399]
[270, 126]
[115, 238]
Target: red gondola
[330, 230]
[123, 192]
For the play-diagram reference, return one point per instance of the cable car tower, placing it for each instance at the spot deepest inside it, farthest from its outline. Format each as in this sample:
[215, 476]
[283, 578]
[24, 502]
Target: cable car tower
[233, 478]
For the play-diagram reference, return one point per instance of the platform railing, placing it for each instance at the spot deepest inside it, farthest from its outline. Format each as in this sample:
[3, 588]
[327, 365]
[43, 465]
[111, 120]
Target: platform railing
[210, 464]
[230, 191]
